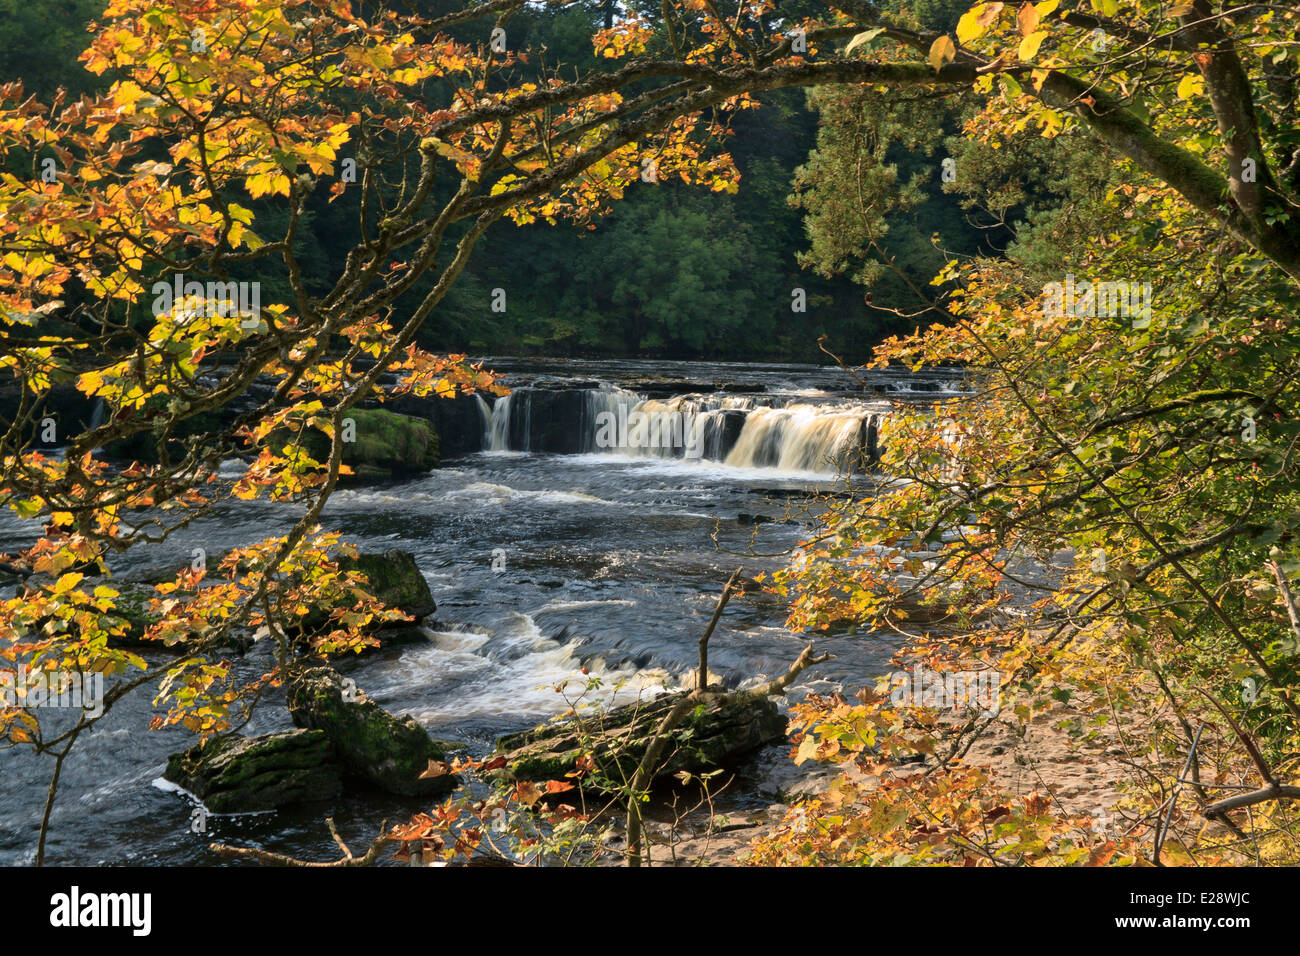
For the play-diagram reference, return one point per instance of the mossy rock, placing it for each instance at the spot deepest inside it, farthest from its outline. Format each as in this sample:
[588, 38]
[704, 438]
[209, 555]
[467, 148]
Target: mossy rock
[384, 444]
[133, 606]
[713, 736]
[395, 579]
[249, 774]
[389, 752]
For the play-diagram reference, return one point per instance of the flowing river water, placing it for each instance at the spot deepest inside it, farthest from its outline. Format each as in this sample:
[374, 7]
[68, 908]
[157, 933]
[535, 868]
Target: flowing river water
[541, 563]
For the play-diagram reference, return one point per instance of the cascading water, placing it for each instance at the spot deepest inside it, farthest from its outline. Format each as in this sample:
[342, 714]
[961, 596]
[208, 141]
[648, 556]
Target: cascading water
[800, 438]
[747, 431]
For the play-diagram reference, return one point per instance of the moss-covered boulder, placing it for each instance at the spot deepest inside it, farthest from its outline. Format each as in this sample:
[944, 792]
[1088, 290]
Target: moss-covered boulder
[247, 774]
[713, 736]
[395, 579]
[389, 752]
[379, 445]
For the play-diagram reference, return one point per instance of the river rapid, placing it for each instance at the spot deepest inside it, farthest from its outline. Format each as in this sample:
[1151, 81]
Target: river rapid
[541, 563]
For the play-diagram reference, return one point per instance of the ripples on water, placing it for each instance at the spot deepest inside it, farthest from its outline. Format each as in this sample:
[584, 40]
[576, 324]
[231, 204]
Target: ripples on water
[610, 563]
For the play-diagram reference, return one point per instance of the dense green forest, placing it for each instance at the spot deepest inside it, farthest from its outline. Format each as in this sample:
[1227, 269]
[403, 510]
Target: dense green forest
[673, 271]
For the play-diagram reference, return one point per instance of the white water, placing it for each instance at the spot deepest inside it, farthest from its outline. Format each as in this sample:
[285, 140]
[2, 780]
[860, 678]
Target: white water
[798, 437]
[519, 675]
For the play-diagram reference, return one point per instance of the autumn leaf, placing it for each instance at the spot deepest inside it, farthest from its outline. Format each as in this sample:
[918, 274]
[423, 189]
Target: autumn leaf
[1028, 48]
[942, 52]
[1027, 19]
[1190, 85]
[1037, 805]
[865, 37]
[436, 768]
[975, 22]
[527, 792]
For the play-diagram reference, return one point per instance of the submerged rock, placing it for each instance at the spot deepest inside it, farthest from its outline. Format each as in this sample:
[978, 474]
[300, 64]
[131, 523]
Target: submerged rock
[247, 774]
[390, 752]
[716, 734]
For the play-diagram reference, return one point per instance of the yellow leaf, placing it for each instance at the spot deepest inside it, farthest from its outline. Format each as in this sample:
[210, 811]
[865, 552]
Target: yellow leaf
[942, 51]
[864, 37]
[1047, 7]
[967, 28]
[975, 21]
[127, 95]
[67, 582]
[1030, 44]
[90, 382]
[1191, 85]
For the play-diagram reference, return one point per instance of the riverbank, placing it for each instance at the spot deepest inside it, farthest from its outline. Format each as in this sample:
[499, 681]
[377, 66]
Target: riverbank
[1062, 758]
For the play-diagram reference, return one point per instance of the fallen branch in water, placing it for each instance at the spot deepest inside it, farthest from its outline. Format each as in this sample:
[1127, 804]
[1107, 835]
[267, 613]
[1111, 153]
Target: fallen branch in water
[702, 677]
[279, 859]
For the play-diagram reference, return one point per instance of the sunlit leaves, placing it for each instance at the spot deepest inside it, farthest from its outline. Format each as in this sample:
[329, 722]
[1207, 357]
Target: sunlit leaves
[1028, 48]
[942, 52]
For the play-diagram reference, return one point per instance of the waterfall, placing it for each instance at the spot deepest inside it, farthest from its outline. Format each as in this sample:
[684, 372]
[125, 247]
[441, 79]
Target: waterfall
[798, 438]
[600, 402]
[485, 415]
[496, 422]
[738, 430]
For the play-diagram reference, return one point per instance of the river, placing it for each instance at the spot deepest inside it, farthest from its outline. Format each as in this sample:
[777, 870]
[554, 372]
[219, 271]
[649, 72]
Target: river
[541, 564]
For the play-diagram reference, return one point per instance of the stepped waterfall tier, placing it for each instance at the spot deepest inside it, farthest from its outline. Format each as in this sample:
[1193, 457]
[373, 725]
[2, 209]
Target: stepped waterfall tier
[786, 432]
